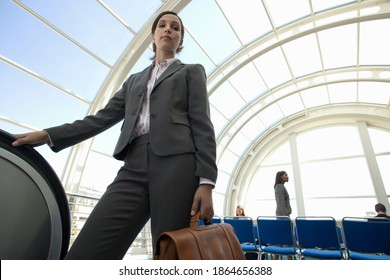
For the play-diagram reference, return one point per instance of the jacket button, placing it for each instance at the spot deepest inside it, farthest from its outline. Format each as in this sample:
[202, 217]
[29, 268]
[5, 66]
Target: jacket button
[153, 97]
[153, 116]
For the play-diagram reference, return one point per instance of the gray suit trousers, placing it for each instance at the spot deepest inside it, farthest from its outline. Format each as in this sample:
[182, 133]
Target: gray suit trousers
[147, 186]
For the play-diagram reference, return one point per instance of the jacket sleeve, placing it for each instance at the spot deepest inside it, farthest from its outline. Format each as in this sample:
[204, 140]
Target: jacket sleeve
[201, 126]
[69, 134]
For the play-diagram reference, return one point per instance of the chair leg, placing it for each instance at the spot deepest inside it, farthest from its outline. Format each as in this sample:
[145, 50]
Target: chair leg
[262, 256]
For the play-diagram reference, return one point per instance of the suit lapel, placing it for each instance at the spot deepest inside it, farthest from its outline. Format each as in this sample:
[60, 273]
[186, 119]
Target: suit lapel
[175, 66]
[145, 74]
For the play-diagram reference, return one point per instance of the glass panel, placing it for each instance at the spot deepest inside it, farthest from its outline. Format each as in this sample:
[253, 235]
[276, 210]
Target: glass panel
[227, 162]
[262, 184]
[272, 67]
[373, 92]
[144, 61]
[248, 82]
[105, 142]
[281, 155]
[90, 25]
[348, 177]
[288, 89]
[380, 140]
[28, 100]
[10, 128]
[226, 100]
[144, 10]
[238, 144]
[261, 207]
[245, 116]
[58, 161]
[303, 63]
[255, 16]
[343, 92]
[54, 58]
[222, 182]
[338, 46]
[329, 142]
[215, 25]
[253, 128]
[271, 115]
[291, 104]
[218, 120]
[218, 203]
[285, 11]
[221, 148]
[314, 97]
[319, 5]
[374, 47]
[384, 163]
[99, 172]
[339, 208]
[192, 53]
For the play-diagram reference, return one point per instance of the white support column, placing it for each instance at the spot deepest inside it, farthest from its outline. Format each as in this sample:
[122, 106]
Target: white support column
[376, 177]
[74, 170]
[297, 175]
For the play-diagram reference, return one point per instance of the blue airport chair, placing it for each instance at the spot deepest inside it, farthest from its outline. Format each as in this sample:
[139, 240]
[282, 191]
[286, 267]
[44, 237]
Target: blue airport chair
[243, 226]
[276, 235]
[366, 239]
[318, 238]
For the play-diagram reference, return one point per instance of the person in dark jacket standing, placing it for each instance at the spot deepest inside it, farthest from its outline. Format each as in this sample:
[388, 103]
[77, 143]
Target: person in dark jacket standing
[283, 207]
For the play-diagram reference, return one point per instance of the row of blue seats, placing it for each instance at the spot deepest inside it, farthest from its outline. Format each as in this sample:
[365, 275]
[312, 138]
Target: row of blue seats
[313, 237]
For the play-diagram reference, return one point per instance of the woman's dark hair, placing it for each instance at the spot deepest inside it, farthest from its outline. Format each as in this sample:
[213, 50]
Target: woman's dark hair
[278, 179]
[154, 26]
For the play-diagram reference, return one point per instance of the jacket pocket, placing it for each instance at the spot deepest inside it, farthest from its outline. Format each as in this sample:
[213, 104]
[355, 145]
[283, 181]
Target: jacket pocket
[180, 120]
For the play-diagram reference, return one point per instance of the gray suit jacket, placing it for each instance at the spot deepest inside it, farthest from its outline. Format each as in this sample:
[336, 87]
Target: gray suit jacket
[179, 117]
[283, 207]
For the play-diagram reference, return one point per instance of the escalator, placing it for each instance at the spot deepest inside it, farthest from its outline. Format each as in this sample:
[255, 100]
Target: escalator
[34, 211]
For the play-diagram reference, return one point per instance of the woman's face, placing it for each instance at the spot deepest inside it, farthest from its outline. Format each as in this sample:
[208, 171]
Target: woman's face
[284, 178]
[167, 36]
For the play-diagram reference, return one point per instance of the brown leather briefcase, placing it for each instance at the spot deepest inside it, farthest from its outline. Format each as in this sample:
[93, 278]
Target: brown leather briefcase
[210, 242]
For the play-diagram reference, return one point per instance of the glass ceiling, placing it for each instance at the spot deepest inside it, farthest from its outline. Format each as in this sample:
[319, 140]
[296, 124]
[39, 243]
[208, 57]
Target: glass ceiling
[268, 62]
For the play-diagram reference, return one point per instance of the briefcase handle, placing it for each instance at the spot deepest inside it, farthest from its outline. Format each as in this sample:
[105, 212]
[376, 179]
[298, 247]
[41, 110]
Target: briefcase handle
[195, 220]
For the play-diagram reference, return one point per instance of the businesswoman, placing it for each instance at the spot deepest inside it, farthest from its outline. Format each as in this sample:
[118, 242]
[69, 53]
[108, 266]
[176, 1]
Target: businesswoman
[167, 143]
[283, 207]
